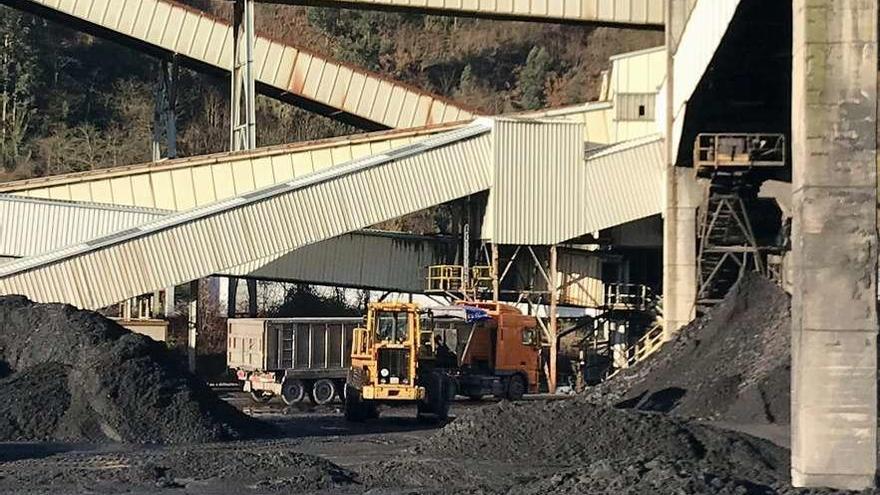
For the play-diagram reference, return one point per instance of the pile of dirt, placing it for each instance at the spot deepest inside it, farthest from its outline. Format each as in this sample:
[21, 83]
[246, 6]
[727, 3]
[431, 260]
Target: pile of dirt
[732, 364]
[76, 376]
[596, 448]
[232, 467]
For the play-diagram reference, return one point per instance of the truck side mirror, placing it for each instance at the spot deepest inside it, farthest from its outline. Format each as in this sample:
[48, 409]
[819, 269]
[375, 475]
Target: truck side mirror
[528, 336]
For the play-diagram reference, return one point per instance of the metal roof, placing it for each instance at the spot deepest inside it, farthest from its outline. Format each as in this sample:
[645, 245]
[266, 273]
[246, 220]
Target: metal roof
[284, 71]
[364, 259]
[614, 12]
[260, 224]
[192, 182]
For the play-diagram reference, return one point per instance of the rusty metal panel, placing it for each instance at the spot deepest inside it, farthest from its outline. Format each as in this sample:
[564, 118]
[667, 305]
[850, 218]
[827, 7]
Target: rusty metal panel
[199, 242]
[538, 172]
[184, 183]
[178, 29]
[33, 226]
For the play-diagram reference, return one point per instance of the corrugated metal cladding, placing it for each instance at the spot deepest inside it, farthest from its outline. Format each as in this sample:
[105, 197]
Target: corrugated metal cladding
[31, 226]
[631, 12]
[190, 245]
[596, 119]
[706, 26]
[636, 106]
[188, 183]
[546, 193]
[624, 182]
[367, 259]
[538, 177]
[178, 29]
[641, 71]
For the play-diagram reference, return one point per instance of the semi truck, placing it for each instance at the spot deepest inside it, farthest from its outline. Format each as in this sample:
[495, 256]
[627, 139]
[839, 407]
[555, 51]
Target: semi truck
[291, 358]
[407, 354]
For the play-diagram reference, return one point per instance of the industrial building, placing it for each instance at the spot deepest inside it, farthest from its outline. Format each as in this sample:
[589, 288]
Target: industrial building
[640, 207]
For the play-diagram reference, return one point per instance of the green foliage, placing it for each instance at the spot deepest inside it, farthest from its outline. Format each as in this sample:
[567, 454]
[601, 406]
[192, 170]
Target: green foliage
[304, 300]
[18, 72]
[532, 79]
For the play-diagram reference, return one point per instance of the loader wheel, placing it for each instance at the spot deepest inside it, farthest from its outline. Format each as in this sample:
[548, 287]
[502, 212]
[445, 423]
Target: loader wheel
[323, 392]
[355, 409]
[436, 402]
[261, 396]
[292, 391]
[516, 387]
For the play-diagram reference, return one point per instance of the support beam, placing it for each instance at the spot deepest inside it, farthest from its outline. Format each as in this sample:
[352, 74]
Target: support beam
[192, 325]
[834, 244]
[231, 297]
[496, 281]
[243, 126]
[554, 326]
[165, 113]
[679, 249]
[252, 297]
[169, 301]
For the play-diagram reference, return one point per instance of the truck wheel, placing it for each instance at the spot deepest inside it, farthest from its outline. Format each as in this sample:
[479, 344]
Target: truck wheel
[292, 391]
[323, 392]
[516, 387]
[261, 396]
[354, 405]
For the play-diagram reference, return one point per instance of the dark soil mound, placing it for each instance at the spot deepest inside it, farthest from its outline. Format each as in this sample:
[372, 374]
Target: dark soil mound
[77, 376]
[732, 364]
[601, 449]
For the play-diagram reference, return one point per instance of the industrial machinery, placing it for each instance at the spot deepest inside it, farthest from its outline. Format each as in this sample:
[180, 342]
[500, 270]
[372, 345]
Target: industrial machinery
[291, 357]
[405, 355]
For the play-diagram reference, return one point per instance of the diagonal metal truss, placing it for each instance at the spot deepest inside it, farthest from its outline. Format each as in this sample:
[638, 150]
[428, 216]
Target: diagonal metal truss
[727, 248]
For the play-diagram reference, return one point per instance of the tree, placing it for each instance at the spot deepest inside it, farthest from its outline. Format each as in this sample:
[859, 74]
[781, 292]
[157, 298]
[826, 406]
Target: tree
[18, 71]
[532, 79]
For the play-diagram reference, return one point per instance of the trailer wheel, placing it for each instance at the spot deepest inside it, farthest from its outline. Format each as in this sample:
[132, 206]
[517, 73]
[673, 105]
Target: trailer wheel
[516, 387]
[261, 396]
[292, 391]
[323, 392]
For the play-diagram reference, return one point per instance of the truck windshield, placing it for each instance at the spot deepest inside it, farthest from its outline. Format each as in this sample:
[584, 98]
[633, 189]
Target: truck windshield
[392, 326]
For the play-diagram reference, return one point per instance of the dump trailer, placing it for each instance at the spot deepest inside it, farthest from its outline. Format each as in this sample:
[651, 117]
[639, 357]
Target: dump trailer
[291, 357]
[407, 354]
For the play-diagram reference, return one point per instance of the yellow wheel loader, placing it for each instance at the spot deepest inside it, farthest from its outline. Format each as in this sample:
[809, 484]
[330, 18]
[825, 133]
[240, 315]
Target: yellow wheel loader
[393, 361]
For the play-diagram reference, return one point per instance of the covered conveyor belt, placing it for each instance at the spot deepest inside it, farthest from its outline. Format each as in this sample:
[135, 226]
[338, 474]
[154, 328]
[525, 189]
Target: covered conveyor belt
[366, 258]
[640, 13]
[167, 28]
[259, 225]
[191, 182]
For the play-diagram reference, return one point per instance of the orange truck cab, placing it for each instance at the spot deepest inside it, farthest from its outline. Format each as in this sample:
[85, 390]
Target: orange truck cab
[496, 349]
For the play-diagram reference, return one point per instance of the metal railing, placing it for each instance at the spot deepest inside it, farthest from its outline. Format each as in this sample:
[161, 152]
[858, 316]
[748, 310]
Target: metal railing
[636, 297]
[451, 278]
[739, 150]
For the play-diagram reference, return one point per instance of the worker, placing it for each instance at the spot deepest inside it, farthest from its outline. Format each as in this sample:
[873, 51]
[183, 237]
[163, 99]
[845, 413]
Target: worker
[445, 357]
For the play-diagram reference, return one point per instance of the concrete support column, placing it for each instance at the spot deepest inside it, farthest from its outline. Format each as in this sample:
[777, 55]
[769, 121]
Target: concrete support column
[169, 302]
[231, 297]
[834, 244]
[679, 249]
[553, 285]
[252, 297]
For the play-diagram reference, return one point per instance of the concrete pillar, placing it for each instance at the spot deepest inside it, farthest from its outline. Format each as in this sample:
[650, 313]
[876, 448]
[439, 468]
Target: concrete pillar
[834, 244]
[679, 249]
[231, 297]
[554, 328]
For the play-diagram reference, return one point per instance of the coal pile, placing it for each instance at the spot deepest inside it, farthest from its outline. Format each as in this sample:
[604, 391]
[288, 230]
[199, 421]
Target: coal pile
[732, 364]
[600, 449]
[74, 375]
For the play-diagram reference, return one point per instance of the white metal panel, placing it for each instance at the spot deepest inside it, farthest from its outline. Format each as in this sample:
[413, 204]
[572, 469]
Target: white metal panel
[705, 28]
[624, 182]
[642, 71]
[33, 226]
[176, 28]
[538, 171]
[175, 184]
[190, 245]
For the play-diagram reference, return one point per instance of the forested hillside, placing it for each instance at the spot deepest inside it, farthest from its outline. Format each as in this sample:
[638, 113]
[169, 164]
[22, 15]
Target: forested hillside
[72, 102]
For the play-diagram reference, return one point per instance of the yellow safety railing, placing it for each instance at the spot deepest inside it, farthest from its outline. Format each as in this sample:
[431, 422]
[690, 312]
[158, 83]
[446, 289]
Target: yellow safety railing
[645, 346]
[451, 278]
